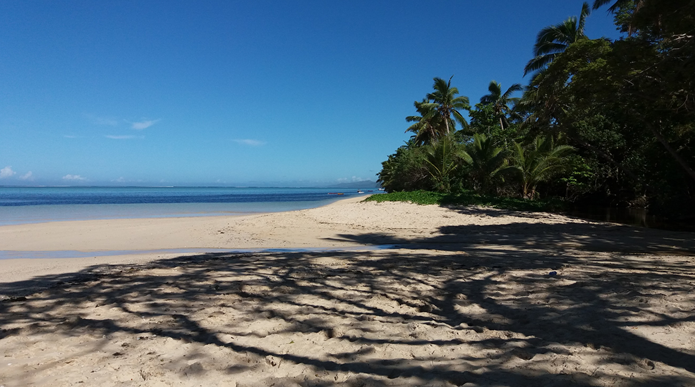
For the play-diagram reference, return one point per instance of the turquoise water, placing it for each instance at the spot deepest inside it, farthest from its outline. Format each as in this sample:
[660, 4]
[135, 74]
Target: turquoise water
[39, 204]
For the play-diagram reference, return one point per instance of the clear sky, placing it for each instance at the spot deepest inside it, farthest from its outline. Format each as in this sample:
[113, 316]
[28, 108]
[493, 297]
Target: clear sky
[284, 93]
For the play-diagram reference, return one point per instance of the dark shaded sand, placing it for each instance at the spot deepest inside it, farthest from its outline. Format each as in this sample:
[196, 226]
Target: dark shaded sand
[523, 304]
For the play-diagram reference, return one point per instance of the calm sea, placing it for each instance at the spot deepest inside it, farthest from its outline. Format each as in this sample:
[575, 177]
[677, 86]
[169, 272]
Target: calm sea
[35, 205]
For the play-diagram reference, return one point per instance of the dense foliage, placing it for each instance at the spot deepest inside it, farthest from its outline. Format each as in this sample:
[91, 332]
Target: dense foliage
[601, 122]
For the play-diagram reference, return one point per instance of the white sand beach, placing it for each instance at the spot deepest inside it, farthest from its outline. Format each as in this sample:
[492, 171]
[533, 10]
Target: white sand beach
[464, 296]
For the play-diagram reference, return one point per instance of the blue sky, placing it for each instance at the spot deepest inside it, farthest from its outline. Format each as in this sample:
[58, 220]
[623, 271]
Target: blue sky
[289, 93]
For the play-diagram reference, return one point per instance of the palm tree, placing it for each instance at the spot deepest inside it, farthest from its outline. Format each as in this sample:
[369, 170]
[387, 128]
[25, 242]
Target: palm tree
[428, 126]
[541, 106]
[554, 40]
[538, 162]
[443, 159]
[500, 102]
[486, 162]
[447, 104]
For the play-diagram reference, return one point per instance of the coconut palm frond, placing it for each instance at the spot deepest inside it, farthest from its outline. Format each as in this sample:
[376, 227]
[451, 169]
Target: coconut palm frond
[555, 39]
[538, 162]
[448, 104]
[501, 101]
[586, 11]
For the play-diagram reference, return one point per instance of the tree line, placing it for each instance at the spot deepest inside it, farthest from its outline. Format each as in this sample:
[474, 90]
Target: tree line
[607, 122]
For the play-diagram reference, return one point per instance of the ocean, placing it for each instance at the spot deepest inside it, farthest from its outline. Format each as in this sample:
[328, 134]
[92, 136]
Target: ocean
[20, 205]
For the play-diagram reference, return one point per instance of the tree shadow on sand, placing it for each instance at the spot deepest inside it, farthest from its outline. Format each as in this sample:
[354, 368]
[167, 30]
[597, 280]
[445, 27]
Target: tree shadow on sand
[453, 309]
[574, 233]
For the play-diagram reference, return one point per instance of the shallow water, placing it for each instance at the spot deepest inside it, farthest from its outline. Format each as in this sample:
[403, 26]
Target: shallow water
[50, 204]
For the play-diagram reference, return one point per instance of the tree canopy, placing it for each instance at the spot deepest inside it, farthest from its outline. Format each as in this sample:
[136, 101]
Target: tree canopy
[600, 122]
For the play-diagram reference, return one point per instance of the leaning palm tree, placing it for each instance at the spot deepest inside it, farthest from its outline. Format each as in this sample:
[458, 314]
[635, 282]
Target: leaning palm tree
[538, 162]
[428, 126]
[500, 102]
[554, 40]
[485, 162]
[447, 104]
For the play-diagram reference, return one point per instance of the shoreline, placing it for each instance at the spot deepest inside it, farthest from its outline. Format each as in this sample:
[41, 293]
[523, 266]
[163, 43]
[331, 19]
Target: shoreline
[141, 237]
[58, 232]
[199, 205]
[342, 224]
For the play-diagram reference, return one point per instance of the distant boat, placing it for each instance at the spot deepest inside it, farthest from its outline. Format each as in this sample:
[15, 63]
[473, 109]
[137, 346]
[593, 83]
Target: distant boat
[382, 189]
[360, 192]
[336, 193]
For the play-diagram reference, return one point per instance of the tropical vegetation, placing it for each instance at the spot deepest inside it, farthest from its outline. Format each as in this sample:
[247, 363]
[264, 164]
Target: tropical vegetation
[607, 122]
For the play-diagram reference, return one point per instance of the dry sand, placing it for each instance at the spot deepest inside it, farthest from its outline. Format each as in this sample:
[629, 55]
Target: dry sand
[466, 298]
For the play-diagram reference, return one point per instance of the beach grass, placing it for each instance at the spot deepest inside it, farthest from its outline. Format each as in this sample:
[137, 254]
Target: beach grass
[467, 198]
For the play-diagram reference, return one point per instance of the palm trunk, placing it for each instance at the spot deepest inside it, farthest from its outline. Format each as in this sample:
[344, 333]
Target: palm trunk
[502, 130]
[524, 190]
